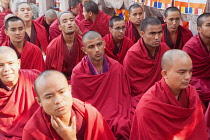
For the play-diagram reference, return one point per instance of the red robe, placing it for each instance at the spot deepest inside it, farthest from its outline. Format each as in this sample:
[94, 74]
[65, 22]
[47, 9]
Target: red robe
[3, 36]
[160, 116]
[56, 58]
[101, 24]
[17, 105]
[80, 16]
[201, 67]
[39, 126]
[183, 35]
[207, 118]
[40, 20]
[55, 31]
[142, 70]
[126, 43]
[31, 56]
[131, 32]
[108, 92]
[2, 15]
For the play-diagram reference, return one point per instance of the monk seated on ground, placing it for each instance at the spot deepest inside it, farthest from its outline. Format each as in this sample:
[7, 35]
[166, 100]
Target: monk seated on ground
[174, 35]
[102, 81]
[62, 117]
[117, 44]
[171, 109]
[17, 96]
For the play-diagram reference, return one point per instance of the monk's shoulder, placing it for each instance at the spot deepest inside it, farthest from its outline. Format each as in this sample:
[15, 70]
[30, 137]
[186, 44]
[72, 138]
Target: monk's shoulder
[193, 42]
[164, 47]
[30, 74]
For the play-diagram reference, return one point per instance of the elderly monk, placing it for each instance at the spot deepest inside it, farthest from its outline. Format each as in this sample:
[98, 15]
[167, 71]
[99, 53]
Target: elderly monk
[62, 117]
[142, 61]
[17, 97]
[35, 33]
[117, 44]
[29, 54]
[64, 52]
[171, 109]
[198, 48]
[95, 19]
[174, 35]
[136, 15]
[102, 81]
[47, 19]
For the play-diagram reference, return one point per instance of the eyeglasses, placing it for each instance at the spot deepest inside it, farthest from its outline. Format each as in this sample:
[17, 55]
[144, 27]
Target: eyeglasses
[119, 29]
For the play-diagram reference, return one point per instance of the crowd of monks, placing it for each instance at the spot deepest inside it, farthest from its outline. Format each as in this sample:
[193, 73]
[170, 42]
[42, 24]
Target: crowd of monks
[83, 74]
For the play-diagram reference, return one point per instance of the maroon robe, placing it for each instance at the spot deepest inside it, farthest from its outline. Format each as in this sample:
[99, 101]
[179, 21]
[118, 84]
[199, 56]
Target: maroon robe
[42, 22]
[55, 31]
[200, 56]
[80, 16]
[59, 58]
[39, 126]
[143, 71]
[17, 105]
[31, 56]
[101, 24]
[2, 15]
[131, 32]
[2, 35]
[183, 35]
[108, 92]
[113, 51]
[160, 116]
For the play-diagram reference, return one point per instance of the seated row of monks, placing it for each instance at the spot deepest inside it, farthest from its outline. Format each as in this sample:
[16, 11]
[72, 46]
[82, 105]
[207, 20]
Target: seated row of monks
[113, 87]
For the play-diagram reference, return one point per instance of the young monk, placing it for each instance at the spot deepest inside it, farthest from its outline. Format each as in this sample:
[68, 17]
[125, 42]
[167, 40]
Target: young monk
[117, 44]
[47, 19]
[62, 117]
[136, 15]
[29, 54]
[35, 33]
[171, 109]
[174, 35]
[102, 81]
[142, 61]
[17, 97]
[198, 48]
[64, 52]
[95, 19]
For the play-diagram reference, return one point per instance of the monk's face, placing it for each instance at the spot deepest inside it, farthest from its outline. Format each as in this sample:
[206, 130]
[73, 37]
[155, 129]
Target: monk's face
[16, 31]
[136, 16]
[67, 23]
[179, 73]
[94, 48]
[118, 30]
[152, 35]
[25, 12]
[172, 20]
[50, 20]
[9, 67]
[204, 30]
[86, 14]
[54, 95]
[75, 10]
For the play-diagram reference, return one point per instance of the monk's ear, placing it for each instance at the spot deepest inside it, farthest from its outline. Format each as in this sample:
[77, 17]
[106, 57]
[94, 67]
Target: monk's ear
[110, 29]
[104, 42]
[164, 19]
[199, 29]
[6, 32]
[164, 74]
[141, 34]
[84, 50]
[90, 13]
[38, 101]
[19, 62]
[59, 26]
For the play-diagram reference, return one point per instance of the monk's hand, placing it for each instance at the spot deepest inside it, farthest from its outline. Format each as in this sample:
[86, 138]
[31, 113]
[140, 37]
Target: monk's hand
[65, 132]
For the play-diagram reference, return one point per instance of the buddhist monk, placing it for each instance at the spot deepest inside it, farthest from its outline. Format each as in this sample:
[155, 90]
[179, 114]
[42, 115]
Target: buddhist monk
[62, 117]
[47, 19]
[17, 97]
[171, 109]
[4, 10]
[136, 15]
[29, 54]
[64, 52]
[174, 35]
[80, 15]
[95, 19]
[142, 61]
[102, 81]
[198, 48]
[117, 44]
[35, 33]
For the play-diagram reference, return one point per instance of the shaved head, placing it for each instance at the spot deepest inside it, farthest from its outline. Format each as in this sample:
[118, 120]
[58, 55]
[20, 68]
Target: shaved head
[90, 35]
[50, 14]
[47, 75]
[8, 16]
[169, 57]
[6, 50]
